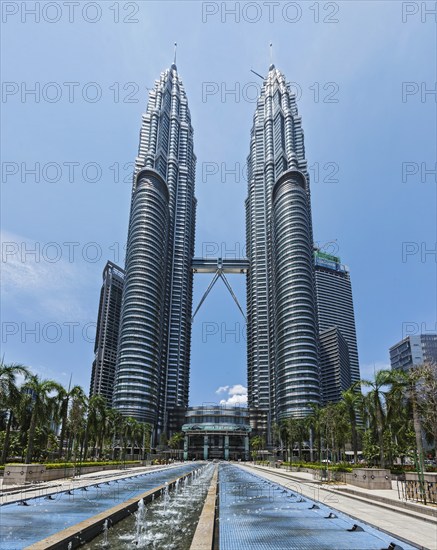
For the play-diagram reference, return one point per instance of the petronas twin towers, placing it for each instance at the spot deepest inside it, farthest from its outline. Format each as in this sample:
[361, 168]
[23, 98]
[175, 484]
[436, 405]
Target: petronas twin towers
[153, 362]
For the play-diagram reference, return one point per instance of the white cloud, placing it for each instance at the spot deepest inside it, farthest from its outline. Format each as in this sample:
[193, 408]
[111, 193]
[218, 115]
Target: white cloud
[36, 283]
[237, 390]
[235, 400]
[237, 394]
[46, 373]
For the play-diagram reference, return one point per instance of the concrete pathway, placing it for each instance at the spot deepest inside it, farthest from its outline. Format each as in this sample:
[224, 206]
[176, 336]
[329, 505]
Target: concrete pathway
[391, 496]
[413, 526]
[13, 493]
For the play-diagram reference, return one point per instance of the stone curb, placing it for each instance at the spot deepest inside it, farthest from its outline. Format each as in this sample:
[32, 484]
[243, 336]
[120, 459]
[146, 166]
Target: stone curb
[204, 535]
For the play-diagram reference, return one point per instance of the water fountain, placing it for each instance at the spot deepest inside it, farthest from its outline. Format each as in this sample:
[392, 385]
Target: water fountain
[45, 517]
[105, 534]
[166, 497]
[140, 520]
[171, 517]
[254, 519]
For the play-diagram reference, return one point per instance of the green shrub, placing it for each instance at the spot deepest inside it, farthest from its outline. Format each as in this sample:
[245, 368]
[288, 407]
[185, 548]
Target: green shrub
[341, 467]
[309, 465]
[61, 465]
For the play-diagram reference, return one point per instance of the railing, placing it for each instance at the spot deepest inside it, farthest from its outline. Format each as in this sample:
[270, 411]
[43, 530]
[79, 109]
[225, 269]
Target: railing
[413, 490]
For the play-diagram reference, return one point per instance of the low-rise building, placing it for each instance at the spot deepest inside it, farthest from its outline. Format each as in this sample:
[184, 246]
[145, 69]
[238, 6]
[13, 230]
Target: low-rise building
[216, 432]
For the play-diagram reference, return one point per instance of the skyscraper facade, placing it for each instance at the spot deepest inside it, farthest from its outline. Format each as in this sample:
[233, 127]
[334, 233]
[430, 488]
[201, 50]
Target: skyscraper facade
[283, 371]
[106, 342]
[335, 371]
[335, 308]
[152, 375]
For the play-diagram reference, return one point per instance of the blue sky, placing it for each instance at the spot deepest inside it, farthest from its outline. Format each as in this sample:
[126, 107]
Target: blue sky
[362, 73]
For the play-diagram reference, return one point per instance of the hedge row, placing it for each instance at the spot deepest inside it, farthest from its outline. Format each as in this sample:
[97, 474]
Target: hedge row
[317, 466]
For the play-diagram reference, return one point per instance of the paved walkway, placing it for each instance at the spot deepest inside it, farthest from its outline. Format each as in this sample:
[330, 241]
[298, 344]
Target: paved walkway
[386, 496]
[13, 493]
[411, 525]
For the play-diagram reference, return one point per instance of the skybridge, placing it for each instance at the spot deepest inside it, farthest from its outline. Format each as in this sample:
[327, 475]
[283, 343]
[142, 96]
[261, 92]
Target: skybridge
[220, 267]
[226, 265]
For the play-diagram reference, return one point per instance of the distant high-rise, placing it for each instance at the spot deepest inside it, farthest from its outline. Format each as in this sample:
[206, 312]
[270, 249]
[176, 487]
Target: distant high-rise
[152, 376]
[108, 321]
[413, 351]
[335, 372]
[283, 370]
[336, 309]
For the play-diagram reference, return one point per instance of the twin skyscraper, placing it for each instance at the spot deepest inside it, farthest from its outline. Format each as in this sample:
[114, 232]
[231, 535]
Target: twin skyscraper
[150, 371]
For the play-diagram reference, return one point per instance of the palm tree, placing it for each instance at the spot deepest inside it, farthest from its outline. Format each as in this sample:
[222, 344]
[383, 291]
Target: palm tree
[293, 432]
[9, 397]
[342, 429]
[351, 399]
[276, 435]
[283, 434]
[133, 433]
[313, 421]
[130, 433]
[327, 426]
[95, 422]
[65, 396]
[146, 433]
[301, 434]
[426, 392]
[376, 399]
[176, 440]
[257, 443]
[102, 429]
[76, 423]
[38, 392]
[114, 419]
[405, 386]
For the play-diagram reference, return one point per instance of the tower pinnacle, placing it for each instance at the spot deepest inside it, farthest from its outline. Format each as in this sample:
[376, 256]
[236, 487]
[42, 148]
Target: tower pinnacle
[174, 56]
[272, 66]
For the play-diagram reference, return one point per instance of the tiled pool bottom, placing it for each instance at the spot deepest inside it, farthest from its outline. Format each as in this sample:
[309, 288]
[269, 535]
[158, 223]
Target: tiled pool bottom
[256, 514]
[21, 526]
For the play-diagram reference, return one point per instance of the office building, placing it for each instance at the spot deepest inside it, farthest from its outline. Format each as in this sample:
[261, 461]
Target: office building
[413, 351]
[106, 342]
[335, 308]
[335, 373]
